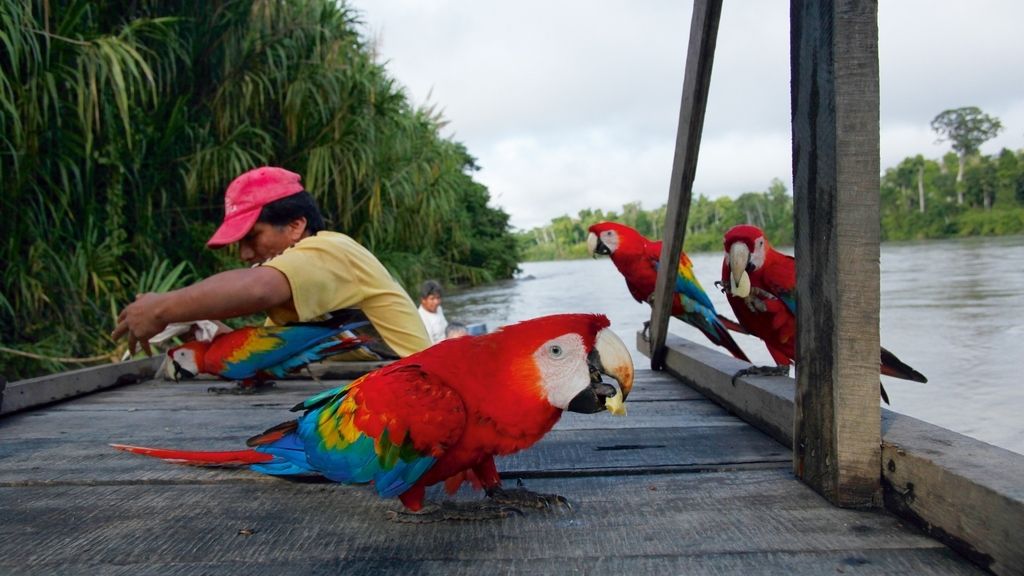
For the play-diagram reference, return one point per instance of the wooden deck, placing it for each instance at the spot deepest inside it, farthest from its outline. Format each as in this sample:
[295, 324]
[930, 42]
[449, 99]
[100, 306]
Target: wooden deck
[679, 486]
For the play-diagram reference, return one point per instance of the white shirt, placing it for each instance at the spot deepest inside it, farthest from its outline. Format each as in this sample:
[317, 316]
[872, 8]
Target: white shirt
[435, 323]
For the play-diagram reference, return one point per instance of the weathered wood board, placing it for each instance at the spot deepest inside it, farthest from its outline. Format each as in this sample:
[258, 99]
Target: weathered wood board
[677, 486]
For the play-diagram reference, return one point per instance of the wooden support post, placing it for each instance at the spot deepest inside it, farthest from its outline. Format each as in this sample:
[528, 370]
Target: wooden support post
[834, 59]
[696, 83]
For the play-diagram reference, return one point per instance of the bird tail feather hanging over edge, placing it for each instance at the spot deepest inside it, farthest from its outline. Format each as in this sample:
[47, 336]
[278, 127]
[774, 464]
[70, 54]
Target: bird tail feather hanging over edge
[231, 458]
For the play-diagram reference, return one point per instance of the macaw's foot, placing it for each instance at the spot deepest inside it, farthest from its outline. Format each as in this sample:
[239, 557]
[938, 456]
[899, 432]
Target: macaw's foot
[243, 387]
[523, 498]
[782, 370]
[458, 511]
[646, 334]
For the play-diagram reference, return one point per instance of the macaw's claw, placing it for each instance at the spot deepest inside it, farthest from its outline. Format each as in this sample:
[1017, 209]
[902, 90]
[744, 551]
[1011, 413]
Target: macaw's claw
[243, 387]
[524, 498]
[781, 370]
[453, 511]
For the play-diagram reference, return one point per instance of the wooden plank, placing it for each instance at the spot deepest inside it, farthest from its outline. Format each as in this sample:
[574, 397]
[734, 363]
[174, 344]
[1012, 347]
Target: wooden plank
[34, 392]
[963, 492]
[648, 386]
[834, 56]
[764, 401]
[732, 522]
[700, 55]
[67, 458]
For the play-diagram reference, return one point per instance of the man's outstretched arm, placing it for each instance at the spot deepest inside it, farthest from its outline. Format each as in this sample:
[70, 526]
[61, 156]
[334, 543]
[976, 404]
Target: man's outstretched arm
[224, 295]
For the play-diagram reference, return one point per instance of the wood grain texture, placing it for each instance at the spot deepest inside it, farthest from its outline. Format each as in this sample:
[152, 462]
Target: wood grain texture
[740, 522]
[684, 488]
[33, 392]
[964, 492]
[700, 55]
[834, 51]
[763, 401]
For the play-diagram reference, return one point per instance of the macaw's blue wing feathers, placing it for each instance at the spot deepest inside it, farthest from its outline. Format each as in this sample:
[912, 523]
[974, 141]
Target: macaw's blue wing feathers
[688, 285]
[276, 349]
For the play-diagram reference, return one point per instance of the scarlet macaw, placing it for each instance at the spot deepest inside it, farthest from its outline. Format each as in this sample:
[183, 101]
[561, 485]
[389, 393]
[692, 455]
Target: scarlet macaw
[444, 413]
[256, 353]
[761, 288]
[636, 257]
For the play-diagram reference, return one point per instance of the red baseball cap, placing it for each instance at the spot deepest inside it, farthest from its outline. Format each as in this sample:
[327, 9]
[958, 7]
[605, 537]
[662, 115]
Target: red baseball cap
[245, 198]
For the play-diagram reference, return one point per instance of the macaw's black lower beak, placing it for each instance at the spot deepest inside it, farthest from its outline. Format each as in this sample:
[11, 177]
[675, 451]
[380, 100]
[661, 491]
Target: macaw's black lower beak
[179, 372]
[609, 357]
[592, 398]
[595, 246]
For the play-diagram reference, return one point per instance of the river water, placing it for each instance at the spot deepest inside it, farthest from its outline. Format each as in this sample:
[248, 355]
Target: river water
[952, 309]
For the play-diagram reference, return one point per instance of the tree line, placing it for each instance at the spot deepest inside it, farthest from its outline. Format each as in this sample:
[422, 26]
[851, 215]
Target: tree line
[964, 193]
[121, 125]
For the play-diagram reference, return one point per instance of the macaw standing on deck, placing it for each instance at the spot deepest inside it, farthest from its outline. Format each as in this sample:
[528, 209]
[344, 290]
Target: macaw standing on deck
[761, 288]
[636, 257]
[441, 415]
[254, 354]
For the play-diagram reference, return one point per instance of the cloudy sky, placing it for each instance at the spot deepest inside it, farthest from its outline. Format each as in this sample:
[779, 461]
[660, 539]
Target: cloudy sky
[572, 104]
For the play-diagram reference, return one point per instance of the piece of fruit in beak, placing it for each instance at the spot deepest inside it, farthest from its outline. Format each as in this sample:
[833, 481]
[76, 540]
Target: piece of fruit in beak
[617, 363]
[739, 280]
[615, 404]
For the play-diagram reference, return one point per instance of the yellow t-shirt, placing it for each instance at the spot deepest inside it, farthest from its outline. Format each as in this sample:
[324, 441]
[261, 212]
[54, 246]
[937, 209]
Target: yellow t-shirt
[331, 271]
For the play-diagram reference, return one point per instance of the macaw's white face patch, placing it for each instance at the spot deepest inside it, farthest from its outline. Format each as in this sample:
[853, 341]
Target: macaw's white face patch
[562, 363]
[610, 238]
[186, 359]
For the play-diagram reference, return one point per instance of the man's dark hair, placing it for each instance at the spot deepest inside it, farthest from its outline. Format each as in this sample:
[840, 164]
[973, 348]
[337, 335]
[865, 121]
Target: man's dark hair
[430, 287]
[299, 205]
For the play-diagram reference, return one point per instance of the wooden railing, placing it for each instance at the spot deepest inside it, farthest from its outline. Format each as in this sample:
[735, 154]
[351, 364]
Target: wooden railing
[961, 491]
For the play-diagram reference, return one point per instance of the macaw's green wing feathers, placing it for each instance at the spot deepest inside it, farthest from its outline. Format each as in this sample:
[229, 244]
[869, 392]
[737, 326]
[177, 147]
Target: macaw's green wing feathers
[688, 285]
[778, 278]
[275, 349]
[324, 397]
[694, 307]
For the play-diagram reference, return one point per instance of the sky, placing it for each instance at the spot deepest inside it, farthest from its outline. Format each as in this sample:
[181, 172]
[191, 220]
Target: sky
[573, 104]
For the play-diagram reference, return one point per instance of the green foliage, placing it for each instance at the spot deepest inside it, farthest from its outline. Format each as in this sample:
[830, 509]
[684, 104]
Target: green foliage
[772, 210]
[918, 200]
[966, 128]
[122, 124]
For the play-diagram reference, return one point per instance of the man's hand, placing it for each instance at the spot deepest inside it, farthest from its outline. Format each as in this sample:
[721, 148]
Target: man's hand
[141, 320]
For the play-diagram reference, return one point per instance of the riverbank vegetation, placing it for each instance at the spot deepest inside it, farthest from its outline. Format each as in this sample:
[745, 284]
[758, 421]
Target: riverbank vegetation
[121, 124]
[964, 193]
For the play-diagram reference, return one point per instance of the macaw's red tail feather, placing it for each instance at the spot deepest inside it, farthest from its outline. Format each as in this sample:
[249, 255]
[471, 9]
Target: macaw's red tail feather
[732, 325]
[729, 344]
[893, 366]
[273, 434]
[346, 343]
[193, 458]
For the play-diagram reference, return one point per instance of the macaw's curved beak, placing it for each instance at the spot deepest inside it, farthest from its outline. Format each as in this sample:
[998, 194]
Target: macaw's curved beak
[739, 280]
[179, 371]
[595, 246]
[611, 358]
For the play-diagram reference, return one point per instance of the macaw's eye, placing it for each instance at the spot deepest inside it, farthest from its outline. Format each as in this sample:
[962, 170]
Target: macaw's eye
[555, 350]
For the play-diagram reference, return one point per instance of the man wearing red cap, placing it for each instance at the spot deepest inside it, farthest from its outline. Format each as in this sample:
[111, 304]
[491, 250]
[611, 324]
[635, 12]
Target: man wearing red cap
[299, 271]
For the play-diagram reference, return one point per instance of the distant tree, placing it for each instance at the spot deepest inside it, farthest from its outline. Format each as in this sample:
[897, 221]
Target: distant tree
[966, 129]
[1008, 170]
[980, 182]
